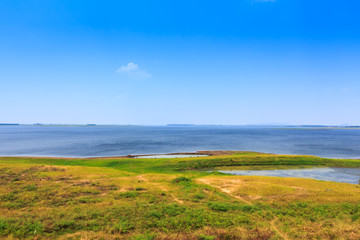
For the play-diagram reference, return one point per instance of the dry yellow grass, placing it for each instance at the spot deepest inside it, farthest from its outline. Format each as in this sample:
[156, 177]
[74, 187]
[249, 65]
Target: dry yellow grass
[277, 189]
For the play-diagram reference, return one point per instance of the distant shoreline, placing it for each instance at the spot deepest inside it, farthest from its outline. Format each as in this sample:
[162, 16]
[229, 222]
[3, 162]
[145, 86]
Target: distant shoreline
[129, 156]
[300, 127]
[314, 128]
[204, 153]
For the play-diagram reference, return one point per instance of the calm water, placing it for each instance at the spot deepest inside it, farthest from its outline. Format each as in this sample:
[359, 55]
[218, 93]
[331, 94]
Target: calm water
[347, 175]
[115, 141]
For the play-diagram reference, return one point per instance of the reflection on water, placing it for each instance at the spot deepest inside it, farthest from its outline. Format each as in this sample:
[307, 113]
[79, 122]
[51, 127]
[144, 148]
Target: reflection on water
[346, 175]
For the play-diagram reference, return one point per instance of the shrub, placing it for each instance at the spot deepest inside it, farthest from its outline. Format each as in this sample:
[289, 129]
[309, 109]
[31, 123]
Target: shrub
[219, 206]
[88, 199]
[182, 180]
[174, 209]
[65, 225]
[155, 214]
[246, 208]
[3, 226]
[20, 229]
[122, 226]
[9, 197]
[355, 217]
[199, 196]
[16, 204]
[128, 194]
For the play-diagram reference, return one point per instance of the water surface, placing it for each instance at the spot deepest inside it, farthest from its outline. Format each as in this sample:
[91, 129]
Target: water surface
[98, 141]
[346, 175]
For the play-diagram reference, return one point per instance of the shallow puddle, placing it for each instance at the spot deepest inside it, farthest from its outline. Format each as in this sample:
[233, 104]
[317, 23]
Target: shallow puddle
[346, 175]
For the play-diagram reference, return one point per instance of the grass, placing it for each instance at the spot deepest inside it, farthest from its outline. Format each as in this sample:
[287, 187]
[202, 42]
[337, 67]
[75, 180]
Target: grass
[48, 198]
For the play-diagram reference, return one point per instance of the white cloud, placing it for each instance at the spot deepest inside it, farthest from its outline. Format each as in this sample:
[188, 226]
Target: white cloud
[133, 70]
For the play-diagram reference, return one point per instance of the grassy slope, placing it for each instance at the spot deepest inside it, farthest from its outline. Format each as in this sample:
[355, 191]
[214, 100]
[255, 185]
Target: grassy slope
[158, 199]
[171, 165]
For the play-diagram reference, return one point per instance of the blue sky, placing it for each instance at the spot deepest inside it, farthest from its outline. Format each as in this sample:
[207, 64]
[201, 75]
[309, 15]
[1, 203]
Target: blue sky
[159, 62]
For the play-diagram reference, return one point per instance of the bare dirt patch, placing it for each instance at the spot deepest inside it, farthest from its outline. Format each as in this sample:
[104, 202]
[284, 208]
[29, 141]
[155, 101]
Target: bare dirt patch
[227, 188]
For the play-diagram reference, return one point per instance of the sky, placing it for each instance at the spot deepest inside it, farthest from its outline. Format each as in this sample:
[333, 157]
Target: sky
[168, 62]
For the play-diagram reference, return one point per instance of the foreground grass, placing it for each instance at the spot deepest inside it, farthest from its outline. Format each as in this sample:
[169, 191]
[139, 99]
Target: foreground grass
[46, 198]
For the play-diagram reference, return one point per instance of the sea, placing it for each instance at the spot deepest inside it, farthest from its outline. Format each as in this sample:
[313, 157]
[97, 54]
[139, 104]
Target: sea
[103, 141]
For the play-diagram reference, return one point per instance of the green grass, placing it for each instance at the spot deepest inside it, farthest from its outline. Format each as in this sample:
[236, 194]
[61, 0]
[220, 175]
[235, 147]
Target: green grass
[48, 198]
[171, 165]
